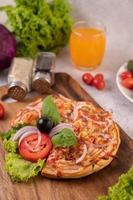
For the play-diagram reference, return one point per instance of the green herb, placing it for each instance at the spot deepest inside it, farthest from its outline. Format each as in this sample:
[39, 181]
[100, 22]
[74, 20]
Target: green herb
[20, 169]
[50, 110]
[123, 190]
[7, 135]
[65, 138]
[39, 25]
[130, 66]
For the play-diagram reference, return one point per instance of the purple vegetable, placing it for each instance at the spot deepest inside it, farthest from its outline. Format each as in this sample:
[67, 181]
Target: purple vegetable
[7, 47]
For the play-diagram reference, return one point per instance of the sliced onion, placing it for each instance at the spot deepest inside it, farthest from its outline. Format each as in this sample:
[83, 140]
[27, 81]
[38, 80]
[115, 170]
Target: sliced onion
[95, 121]
[74, 114]
[23, 130]
[59, 128]
[36, 103]
[39, 139]
[80, 104]
[30, 133]
[64, 98]
[108, 126]
[83, 155]
[111, 142]
[104, 135]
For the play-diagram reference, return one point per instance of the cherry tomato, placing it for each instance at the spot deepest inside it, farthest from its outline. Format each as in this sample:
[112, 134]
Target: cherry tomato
[128, 83]
[125, 75]
[30, 141]
[87, 78]
[99, 84]
[99, 76]
[2, 111]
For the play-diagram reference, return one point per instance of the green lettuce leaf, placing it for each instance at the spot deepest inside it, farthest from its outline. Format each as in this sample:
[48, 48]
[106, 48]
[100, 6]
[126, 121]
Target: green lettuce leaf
[39, 25]
[65, 138]
[20, 169]
[10, 146]
[123, 190]
[50, 110]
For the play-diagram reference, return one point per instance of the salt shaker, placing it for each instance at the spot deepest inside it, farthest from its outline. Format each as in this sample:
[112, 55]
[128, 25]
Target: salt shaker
[19, 78]
[43, 72]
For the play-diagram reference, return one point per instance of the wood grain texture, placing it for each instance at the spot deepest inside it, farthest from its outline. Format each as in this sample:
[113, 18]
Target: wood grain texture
[40, 188]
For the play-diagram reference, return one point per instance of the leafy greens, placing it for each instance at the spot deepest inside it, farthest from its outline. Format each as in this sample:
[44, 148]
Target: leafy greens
[39, 25]
[123, 190]
[18, 168]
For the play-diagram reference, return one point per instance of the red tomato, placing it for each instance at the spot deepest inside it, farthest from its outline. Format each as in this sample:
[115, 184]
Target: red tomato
[99, 84]
[87, 78]
[125, 75]
[99, 76]
[128, 83]
[41, 152]
[2, 111]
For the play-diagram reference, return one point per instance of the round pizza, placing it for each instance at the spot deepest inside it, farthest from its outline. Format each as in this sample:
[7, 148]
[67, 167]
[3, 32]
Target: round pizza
[72, 138]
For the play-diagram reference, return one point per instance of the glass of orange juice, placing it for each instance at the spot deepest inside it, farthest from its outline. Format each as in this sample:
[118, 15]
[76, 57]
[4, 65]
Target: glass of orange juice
[87, 44]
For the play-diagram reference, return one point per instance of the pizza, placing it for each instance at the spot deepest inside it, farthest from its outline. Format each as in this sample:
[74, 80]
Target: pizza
[97, 137]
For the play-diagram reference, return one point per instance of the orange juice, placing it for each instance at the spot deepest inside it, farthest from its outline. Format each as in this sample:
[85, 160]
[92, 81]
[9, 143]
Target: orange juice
[87, 46]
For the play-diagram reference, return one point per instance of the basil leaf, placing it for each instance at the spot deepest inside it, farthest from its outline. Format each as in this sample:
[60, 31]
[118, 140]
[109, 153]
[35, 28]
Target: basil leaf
[50, 110]
[65, 138]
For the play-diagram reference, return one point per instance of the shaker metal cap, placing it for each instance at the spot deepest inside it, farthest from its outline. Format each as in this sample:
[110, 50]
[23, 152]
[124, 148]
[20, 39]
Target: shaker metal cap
[41, 82]
[17, 90]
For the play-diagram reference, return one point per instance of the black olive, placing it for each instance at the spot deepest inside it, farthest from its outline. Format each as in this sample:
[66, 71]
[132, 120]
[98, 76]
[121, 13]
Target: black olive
[44, 125]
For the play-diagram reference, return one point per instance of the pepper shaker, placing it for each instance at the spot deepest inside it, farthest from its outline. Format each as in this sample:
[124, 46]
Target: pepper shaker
[43, 72]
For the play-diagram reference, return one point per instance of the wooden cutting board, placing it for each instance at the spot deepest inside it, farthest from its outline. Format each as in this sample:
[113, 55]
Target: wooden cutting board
[40, 188]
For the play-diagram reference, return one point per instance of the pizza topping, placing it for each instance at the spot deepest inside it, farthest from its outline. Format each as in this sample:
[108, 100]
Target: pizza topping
[30, 133]
[28, 147]
[59, 128]
[36, 104]
[80, 159]
[109, 124]
[44, 124]
[74, 114]
[76, 108]
[50, 110]
[64, 98]
[106, 122]
[64, 138]
[24, 130]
